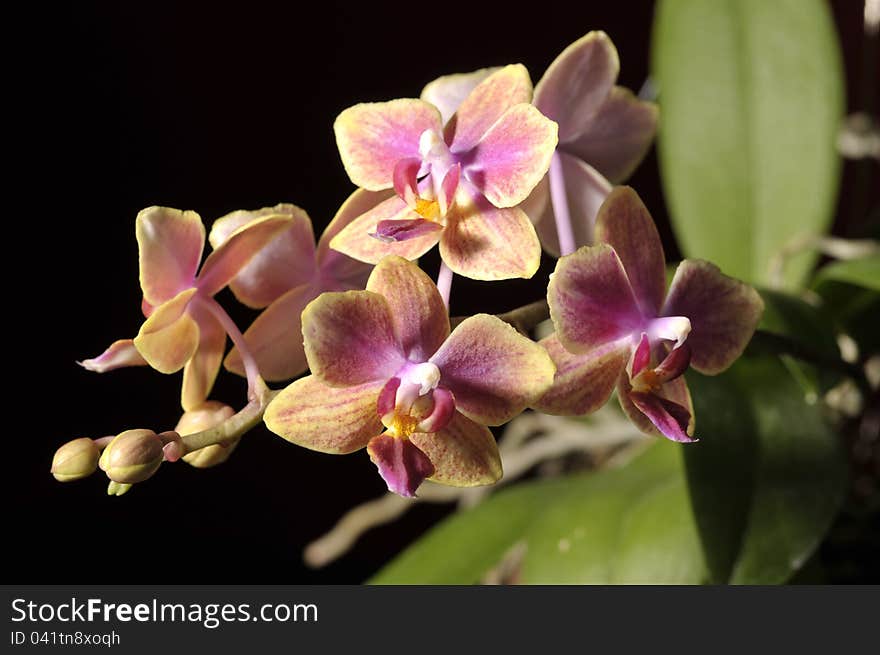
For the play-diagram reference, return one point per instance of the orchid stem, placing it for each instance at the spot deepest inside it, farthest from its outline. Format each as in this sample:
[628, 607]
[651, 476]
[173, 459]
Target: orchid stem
[444, 282]
[559, 200]
[233, 427]
[252, 371]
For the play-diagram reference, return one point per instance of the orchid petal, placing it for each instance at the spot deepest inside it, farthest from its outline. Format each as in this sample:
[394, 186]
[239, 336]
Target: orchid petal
[170, 245]
[674, 364]
[355, 241]
[625, 224]
[618, 136]
[373, 137]
[442, 412]
[420, 318]
[464, 453]
[236, 252]
[120, 354]
[275, 338]
[724, 313]
[641, 356]
[285, 262]
[492, 370]
[577, 82]
[349, 338]
[202, 368]
[410, 228]
[406, 182]
[513, 155]
[169, 337]
[483, 242]
[585, 190]
[484, 105]
[401, 464]
[583, 383]
[671, 408]
[591, 301]
[446, 193]
[447, 93]
[327, 419]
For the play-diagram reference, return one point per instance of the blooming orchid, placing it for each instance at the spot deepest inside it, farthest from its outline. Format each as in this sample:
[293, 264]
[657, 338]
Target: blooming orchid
[384, 358]
[604, 132]
[285, 276]
[458, 184]
[185, 327]
[616, 324]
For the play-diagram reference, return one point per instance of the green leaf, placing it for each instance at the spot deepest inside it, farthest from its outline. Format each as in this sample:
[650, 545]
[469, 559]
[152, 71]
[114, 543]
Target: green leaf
[864, 272]
[751, 96]
[768, 475]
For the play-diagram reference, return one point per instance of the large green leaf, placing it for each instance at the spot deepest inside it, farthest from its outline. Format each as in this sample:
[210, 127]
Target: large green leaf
[768, 475]
[864, 272]
[751, 97]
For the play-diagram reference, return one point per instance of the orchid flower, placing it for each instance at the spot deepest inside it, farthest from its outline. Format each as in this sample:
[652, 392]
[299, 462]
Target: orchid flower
[616, 324]
[604, 132]
[185, 327]
[459, 185]
[385, 358]
[284, 277]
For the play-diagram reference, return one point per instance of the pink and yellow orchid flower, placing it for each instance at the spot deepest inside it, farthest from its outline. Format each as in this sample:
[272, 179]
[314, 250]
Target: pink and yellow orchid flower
[284, 277]
[459, 185]
[388, 375]
[185, 328]
[617, 325]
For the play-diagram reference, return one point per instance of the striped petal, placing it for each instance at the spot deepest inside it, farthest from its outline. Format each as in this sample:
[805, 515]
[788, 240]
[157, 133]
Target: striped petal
[483, 242]
[237, 251]
[625, 224]
[285, 262]
[513, 155]
[464, 453]
[327, 419]
[583, 383]
[723, 313]
[447, 93]
[373, 137]
[201, 369]
[577, 83]
[618, 136]
[169, 337]
[401, 464]
[484, 105]
[170, 245]
[492, 370]
[591, 301]
[355, 241]
[120, 354]
[349, 338]
[585, 190]
[670, 413]
[275, 338]
[420, 319]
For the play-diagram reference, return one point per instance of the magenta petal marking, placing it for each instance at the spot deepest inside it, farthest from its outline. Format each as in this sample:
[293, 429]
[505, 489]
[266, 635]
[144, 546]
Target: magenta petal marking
[441, 414]
[401, 464]
[406, 173]
[387, 397]
[641, 356]
[448, 188]
[674, 364]
[670, 418]
[391, 231]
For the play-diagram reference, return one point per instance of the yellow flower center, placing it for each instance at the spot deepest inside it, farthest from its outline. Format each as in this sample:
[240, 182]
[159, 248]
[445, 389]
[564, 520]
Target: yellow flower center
[428, 209]
[402, 425]
[646, 381]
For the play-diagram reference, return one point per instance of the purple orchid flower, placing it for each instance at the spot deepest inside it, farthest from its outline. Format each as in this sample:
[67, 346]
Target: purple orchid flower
[459, 185]
[616, 324]
[604, 133]
[185, 328]
[284, 277]
[384, 357]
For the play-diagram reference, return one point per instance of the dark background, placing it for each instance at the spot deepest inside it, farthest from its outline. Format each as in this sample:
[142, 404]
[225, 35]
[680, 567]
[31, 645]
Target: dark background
[211, 108]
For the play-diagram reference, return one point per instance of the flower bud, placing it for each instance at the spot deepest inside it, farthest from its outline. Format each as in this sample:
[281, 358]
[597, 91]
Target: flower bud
[207, 415]
[133, 456]
[117, 488]
[76, 459]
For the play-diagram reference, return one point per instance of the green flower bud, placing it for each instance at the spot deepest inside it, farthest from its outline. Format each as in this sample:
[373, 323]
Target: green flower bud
[75, 460]
[117, 488]
[133, 456]
[207, 415]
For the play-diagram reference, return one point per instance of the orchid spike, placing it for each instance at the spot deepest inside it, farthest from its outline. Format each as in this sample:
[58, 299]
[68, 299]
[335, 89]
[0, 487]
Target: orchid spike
[185, 328]
[284, 277]
[616, 324]
[385, 358]
[457, 182]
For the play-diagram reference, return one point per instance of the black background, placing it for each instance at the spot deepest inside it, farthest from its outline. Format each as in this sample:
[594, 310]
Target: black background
[214, 108]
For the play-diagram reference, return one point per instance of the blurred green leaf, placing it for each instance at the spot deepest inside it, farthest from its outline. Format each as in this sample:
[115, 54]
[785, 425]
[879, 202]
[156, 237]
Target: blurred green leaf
[768, 475]
[751, 96]
[864, 272]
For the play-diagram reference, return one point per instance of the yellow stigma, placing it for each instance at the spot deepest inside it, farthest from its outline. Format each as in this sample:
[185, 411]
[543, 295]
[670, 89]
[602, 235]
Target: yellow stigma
[646, 381]
[403, 425]
[428, 209]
